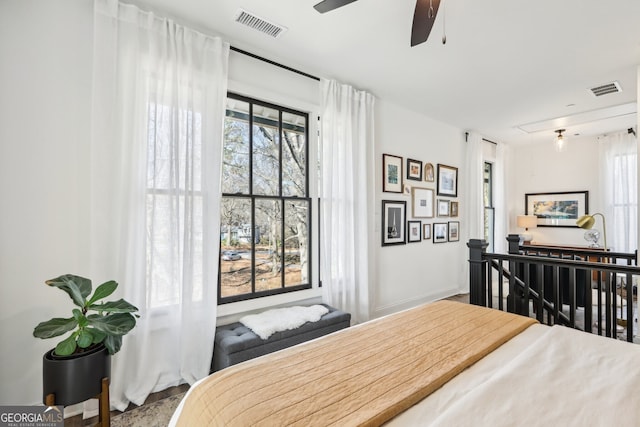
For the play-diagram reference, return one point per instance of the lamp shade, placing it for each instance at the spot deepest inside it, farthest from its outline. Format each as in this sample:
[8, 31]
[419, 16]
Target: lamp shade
[586, 221]
[527, 221]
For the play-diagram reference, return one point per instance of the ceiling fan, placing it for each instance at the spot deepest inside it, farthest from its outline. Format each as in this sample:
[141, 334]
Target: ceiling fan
[423, 17]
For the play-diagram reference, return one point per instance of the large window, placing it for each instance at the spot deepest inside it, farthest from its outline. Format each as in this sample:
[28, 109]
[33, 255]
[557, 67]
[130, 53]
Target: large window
[489, 210]
[266, 210]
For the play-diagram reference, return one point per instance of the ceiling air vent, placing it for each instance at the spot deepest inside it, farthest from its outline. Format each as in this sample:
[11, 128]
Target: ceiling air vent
[252, 21]
[612, 87]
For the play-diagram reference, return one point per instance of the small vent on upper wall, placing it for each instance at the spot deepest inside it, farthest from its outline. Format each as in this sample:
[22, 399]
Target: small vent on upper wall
[613, 87]
[252, 21]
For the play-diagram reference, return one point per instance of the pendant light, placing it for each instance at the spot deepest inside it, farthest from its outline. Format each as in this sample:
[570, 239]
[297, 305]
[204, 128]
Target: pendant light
[560, 142]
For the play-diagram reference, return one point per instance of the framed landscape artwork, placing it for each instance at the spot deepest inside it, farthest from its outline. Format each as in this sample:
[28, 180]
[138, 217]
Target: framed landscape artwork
[447, 181]
[391, 173]
[393, 222]
[560, 209]
[414, 231]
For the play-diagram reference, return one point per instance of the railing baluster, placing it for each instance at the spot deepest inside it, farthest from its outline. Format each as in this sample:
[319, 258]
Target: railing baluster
[500, 290]
[629, 298]
[490, 287]
[572, 296]
[588, 303]
[528, 274]
[607, 287]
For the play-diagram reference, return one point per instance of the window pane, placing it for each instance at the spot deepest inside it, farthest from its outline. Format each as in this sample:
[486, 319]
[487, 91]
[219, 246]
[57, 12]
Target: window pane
[235, 246]
[296, 248]
[264, 230]
[266, 151]
[294, 155]
[235, 162]
[269, 248]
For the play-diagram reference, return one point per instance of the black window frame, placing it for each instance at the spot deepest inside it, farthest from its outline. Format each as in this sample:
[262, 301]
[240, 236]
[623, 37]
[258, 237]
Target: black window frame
[282, 199]
[489, 209]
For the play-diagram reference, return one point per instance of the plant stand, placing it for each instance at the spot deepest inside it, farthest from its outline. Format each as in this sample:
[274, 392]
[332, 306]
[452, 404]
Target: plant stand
[104, 415]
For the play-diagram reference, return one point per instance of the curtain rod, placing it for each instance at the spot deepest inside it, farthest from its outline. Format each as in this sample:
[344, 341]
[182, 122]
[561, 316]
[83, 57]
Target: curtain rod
[268, 61]
[466, 139]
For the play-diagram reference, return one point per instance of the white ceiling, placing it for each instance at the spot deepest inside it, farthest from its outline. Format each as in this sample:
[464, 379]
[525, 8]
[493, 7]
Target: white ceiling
[506, 63]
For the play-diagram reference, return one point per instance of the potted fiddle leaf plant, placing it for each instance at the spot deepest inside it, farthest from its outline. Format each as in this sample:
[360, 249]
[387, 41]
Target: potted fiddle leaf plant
[74, 369]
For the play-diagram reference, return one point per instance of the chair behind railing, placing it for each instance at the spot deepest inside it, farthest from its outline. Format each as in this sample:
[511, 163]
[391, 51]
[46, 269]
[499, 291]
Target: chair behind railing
[552, 284]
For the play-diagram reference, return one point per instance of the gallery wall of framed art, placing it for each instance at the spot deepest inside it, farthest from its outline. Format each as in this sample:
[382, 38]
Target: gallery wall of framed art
[430, 190]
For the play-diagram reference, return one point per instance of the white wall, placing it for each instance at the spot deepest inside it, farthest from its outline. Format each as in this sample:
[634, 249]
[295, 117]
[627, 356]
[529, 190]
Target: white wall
[538, 168]
[45, 106]
[45, 111]
[410, 274]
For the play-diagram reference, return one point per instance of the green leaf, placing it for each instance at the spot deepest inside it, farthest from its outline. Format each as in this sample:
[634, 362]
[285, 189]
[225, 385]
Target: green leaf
[77, 287]
[103, 291]
[80, 318]
[54, 327]
[66, 347]
[85, 338]
[113, 343]
[98, 336]
[113, 324]
[120, 306]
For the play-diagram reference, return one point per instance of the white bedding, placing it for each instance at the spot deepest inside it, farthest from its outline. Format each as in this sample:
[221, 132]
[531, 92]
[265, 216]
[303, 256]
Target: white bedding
[543, 377]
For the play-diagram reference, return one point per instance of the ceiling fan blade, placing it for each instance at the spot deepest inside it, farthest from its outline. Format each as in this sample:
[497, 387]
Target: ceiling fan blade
[423, 19]
[329, 5]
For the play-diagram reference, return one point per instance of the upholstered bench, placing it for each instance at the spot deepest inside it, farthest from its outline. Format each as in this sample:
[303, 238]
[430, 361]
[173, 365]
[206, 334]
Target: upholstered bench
[235, 343]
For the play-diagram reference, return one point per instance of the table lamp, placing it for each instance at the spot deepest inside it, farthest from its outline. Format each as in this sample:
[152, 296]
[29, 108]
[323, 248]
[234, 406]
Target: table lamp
[527, 222]
[587, 222]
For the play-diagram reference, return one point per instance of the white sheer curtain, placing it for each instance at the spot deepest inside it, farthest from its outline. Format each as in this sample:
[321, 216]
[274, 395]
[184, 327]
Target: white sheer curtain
[473, 206]
[619, 172]
[158, 109]
[347, 169]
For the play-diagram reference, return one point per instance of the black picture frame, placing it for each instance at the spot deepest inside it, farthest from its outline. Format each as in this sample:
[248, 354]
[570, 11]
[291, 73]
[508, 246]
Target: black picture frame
[558, 209]
[414, 169]
[447, 181]
[392, 173]
[394, 214]
[414, 231]
[440, 232]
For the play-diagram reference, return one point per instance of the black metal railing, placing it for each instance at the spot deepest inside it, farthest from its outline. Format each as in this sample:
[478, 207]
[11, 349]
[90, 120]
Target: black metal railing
[556, 285]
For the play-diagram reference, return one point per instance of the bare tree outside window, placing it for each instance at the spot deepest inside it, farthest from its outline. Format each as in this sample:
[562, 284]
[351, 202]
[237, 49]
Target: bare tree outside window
[265, 212]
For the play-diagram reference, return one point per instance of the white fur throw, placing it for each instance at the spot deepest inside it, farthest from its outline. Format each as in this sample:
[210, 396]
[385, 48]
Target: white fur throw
[282, 319]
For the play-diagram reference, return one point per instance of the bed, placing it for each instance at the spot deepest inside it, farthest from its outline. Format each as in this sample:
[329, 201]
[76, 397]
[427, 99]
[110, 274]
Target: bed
[440, 364]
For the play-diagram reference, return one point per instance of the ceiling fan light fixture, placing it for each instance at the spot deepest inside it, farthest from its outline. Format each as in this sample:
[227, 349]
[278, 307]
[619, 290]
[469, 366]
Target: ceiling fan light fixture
[560, 142]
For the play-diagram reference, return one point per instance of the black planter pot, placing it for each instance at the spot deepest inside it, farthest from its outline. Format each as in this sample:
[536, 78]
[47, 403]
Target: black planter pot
[76, 378]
